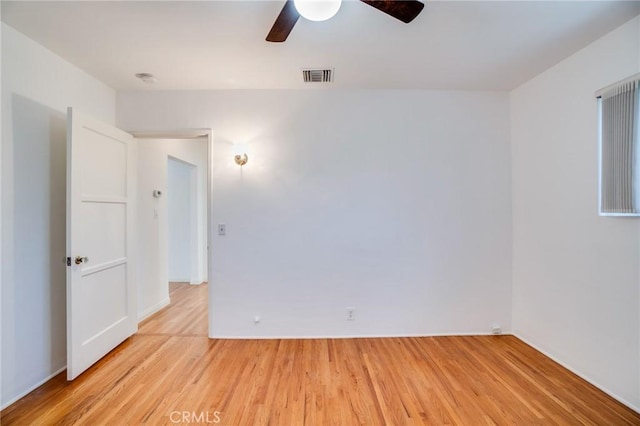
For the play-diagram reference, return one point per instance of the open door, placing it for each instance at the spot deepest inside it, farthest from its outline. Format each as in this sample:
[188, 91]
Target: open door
[101, 305]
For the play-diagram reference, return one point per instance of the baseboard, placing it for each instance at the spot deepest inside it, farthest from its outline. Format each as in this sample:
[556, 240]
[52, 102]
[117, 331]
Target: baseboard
[580, 374]
[153, 309]
[353, 336]
[32, 388]
[179, 280]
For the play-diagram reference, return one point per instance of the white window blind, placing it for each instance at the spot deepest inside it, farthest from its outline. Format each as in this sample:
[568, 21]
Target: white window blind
[618, 110]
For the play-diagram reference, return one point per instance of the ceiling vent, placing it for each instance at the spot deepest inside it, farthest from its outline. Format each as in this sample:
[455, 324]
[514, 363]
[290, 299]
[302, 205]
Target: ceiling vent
[317, 76]
[147, 77]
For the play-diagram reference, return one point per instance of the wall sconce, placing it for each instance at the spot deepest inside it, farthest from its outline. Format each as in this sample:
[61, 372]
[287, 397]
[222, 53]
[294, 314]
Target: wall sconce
[240, 150]
[241, 159]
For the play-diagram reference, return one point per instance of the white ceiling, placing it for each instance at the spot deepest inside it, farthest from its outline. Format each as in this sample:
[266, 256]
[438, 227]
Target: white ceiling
[475, 45]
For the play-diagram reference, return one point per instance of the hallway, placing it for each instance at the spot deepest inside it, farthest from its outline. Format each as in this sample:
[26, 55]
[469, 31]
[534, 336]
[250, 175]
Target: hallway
[185, 316]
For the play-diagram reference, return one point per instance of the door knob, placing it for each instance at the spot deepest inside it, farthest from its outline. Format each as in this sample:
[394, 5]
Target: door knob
[80, 260]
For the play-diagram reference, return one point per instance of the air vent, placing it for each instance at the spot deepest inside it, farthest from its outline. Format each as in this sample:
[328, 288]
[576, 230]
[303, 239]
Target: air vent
[317, 76]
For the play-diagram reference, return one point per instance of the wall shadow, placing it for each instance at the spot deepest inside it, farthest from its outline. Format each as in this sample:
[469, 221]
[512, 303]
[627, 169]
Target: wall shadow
[39, 184]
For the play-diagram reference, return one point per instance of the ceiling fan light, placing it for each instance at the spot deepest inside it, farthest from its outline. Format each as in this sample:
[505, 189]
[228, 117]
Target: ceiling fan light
[317, 10]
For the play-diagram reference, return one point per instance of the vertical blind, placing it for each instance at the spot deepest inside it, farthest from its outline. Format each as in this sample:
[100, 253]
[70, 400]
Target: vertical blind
[619, 153]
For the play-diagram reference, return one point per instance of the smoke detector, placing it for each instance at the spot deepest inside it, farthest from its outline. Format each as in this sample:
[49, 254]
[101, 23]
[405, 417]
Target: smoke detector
[146, 77]
[317, 75]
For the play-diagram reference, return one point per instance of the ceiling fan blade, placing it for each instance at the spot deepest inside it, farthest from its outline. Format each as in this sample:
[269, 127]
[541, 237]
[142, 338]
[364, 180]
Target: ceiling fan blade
[284, 23]
[404, 10]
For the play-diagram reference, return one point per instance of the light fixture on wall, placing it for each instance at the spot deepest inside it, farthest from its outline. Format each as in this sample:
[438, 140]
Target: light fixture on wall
[317, 10]
[241, 159]
[240, 150]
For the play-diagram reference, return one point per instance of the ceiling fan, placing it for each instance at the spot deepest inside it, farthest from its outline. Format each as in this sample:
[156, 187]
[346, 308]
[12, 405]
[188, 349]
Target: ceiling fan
[404, 10]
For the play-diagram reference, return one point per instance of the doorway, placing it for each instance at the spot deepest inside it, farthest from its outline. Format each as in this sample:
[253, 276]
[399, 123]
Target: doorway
[173, 203]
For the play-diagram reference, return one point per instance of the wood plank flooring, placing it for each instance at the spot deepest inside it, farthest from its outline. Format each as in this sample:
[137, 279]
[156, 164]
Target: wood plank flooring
[185, 316]
[171, 373]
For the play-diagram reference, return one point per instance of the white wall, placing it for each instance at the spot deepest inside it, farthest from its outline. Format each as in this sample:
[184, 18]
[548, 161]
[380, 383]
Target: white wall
[395, 203]
[153, 234]
[37, 87]
[576, 275]
[179, 213]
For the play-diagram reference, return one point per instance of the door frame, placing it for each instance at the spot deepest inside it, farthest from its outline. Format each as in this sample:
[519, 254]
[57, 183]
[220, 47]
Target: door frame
[191, 134]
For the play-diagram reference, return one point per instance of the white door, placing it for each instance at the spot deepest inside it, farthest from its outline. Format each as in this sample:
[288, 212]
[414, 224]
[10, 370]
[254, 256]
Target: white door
[101, 306]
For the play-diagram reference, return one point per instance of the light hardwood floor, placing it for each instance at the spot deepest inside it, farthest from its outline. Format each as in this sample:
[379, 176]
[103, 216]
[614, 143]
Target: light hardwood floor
[171, 373]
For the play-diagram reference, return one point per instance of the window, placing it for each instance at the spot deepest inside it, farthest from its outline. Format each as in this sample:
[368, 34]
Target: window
[618, 118]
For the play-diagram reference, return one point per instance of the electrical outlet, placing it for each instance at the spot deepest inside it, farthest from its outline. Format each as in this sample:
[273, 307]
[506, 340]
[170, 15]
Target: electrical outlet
[351, 314]
[496, 329]
[222, 229]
